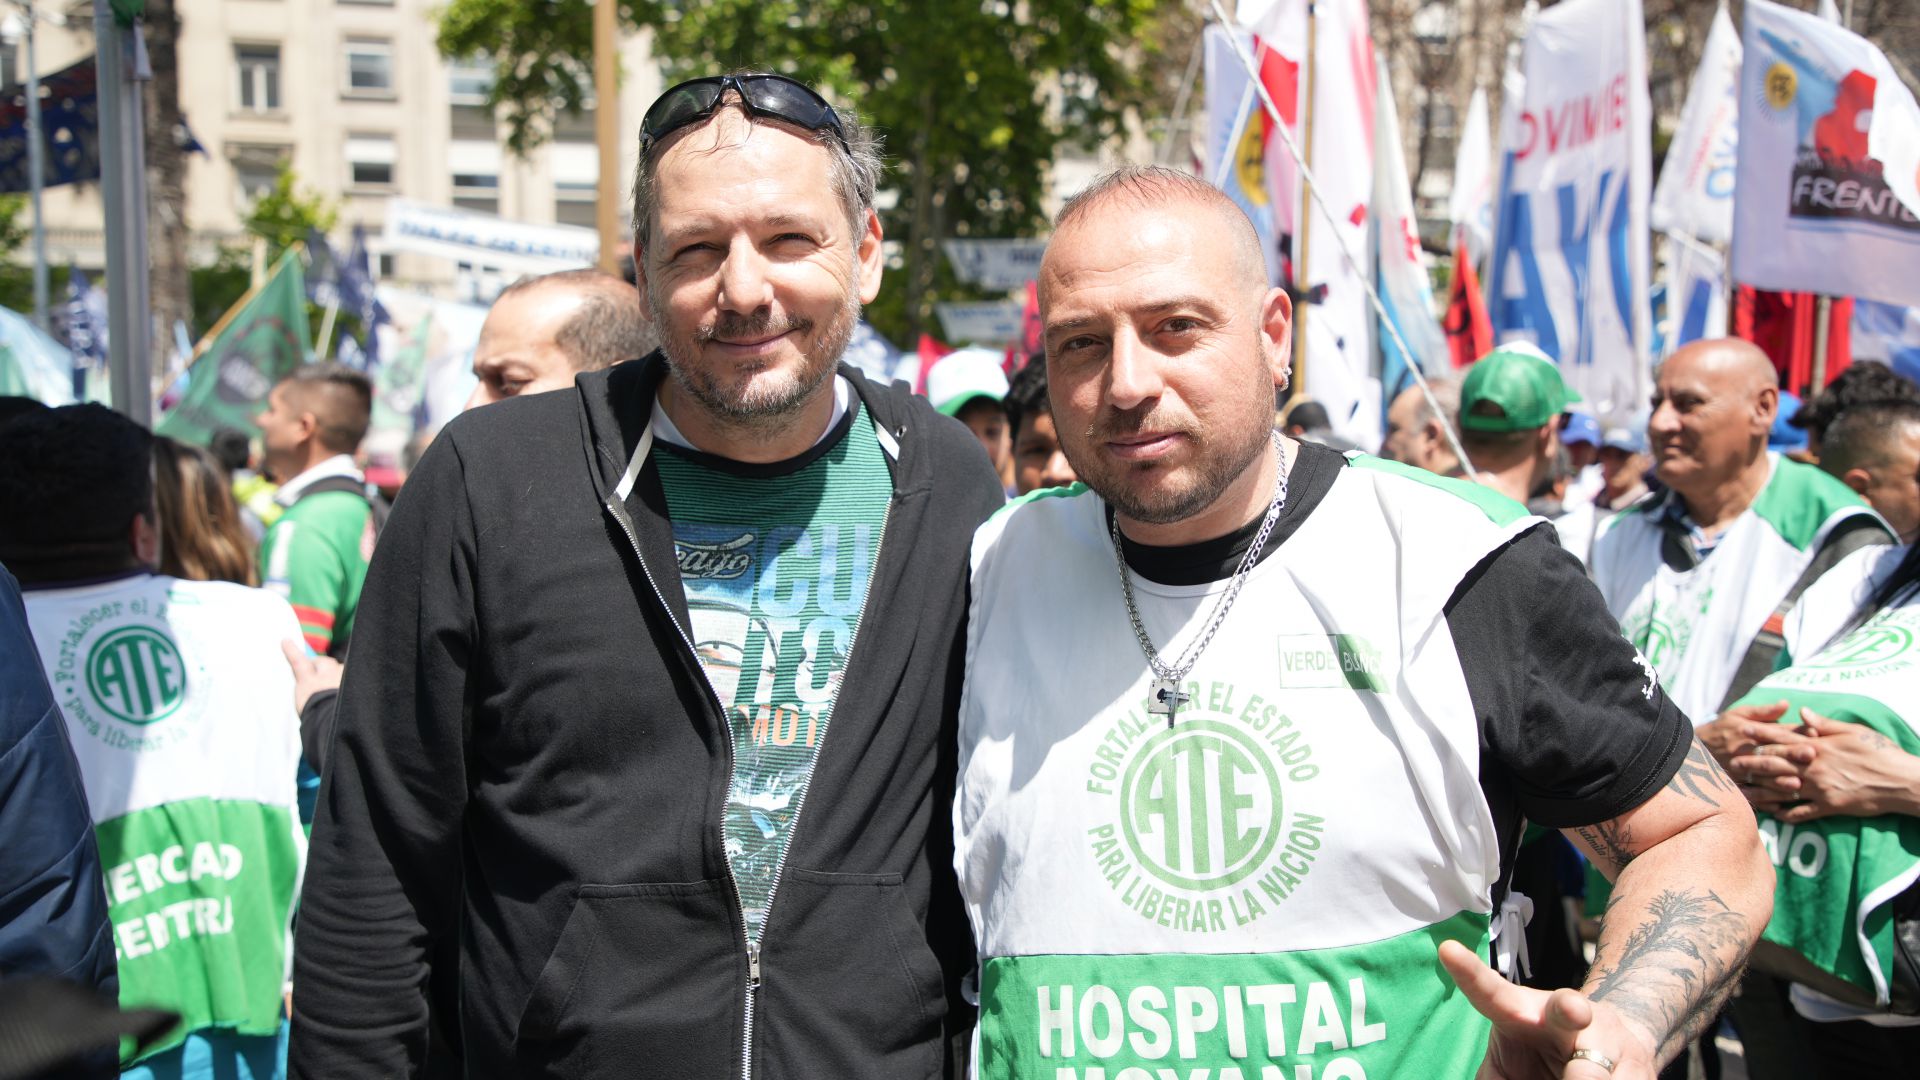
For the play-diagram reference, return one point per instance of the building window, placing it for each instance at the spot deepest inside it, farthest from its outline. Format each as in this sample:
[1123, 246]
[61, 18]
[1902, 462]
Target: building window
[258, 68]
[369, 69]
[469, 81]
[475, 167]
[370, 160]
[255, 169]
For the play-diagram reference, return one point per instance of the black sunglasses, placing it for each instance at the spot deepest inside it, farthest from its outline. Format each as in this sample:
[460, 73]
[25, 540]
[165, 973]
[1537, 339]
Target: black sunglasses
[763, 95]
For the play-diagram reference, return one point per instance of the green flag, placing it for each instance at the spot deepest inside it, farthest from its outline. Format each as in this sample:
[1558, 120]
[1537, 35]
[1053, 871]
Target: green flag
[259, 342]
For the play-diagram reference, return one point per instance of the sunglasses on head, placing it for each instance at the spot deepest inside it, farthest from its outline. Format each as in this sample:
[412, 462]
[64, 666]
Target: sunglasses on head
[774, 96]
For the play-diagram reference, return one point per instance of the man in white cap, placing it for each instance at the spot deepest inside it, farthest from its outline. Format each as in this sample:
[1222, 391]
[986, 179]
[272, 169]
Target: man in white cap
[970, 386]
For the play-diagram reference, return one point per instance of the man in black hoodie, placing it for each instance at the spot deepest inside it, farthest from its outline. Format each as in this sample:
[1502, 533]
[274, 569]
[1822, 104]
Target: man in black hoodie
[654, 683]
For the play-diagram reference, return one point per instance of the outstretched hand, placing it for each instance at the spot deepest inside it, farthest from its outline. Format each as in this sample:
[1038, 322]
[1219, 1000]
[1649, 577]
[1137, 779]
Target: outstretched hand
[1535, 1032]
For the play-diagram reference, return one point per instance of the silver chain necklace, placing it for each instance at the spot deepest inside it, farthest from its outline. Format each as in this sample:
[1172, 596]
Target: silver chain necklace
[1165, 699]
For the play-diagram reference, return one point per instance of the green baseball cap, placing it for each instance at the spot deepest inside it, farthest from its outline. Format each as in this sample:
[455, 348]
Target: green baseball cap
[1523, 381]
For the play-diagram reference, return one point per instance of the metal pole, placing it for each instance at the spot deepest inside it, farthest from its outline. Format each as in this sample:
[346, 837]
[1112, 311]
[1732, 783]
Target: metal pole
[37, 170]
[120, 63]
[1304, 217]
[1822, 326]
[606, 132]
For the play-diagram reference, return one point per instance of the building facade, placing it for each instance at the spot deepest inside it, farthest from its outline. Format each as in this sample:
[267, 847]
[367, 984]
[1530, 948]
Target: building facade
[355, 96]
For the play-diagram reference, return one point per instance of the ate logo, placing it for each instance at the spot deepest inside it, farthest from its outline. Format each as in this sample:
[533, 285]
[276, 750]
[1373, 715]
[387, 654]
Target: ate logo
[1874, 644]
[137, 675]
[1200, 806]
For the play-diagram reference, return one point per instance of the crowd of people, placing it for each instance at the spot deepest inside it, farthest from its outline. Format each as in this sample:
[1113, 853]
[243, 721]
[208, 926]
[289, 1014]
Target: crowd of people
[1136, 726]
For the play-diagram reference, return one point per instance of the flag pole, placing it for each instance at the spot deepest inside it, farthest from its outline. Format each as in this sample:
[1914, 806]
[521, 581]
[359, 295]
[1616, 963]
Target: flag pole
[1822, 327]
[324, 340]
[606, 130]
[1373, 294]
[120, 66]
[1304, 217]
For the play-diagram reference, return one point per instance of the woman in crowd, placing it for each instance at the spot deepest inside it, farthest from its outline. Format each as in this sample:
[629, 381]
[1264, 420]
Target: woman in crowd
[201, 538]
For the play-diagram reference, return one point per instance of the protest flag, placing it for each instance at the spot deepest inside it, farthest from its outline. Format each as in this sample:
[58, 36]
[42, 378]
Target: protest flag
[1470, 204]
[1406, 292]
[1469, 331]
[1828, 192]
[1570, 266]
[1695, 194]
[259, 341]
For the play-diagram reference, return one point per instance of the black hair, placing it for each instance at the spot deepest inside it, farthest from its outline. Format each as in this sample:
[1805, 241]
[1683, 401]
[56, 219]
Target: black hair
[232, 448]
[1027, 395]
[75, 479]
[1865, 382]
[11, 407]
[340, 399]
[1310, 416]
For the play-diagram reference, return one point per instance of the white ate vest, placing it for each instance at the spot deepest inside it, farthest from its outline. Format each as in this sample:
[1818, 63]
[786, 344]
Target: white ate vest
[1695, 625]
[1261, 886]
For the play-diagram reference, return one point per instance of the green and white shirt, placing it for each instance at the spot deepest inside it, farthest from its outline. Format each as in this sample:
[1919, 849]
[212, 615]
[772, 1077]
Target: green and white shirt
[179, 706]
[1696, 624]
[316, 554]
[775, 561]
[1836, 877]
[1259, 889]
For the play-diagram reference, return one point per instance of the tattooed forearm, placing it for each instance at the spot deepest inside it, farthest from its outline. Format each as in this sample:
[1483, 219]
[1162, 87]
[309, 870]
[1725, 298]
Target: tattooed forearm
[1700, 777]
[1674, 969]
[1610, 842]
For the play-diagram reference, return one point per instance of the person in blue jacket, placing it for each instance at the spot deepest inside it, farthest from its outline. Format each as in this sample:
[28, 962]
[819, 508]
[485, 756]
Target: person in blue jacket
[53, 899]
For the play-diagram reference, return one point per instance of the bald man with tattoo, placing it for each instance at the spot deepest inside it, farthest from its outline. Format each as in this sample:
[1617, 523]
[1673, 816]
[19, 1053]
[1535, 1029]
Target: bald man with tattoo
[1250, 726]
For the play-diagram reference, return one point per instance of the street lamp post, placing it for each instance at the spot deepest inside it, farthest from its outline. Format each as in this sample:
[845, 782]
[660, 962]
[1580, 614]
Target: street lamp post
[36, 164]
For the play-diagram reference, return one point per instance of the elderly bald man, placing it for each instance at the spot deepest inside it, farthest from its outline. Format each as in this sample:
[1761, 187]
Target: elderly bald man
[1702, 577]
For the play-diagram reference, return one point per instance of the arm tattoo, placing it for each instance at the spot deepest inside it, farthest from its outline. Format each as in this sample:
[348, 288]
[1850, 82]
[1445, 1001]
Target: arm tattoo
[1676, 968]
[1700, 776]
[1612, 841]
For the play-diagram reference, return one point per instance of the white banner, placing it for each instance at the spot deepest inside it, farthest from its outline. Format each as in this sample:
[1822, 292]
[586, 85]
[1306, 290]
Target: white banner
[1406, 291]
[1696, 293]
[1829, 149]
[995, 323]
[1570, 263]
[486, 240]
[1470, 203]
[1339, 318]
[1695, 192]
[996, 264]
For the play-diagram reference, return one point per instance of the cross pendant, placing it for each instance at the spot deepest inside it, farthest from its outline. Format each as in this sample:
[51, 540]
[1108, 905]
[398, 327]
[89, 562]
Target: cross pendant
[1165, 699]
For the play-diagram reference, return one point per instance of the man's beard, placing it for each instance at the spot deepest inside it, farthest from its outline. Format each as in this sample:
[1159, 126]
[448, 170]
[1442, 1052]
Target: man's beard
[1225, 455]
[757, 405]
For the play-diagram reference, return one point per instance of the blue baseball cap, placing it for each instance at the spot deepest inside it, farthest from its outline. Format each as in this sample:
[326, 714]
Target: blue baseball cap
[1578, 427]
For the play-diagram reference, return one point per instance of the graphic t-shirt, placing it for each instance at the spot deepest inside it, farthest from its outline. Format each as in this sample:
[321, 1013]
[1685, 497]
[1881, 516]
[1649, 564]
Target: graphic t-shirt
[180, 710]
[775, 560]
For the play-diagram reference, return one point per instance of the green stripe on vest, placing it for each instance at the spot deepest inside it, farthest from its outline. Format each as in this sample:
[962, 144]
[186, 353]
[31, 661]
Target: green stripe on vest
[1383, 1009]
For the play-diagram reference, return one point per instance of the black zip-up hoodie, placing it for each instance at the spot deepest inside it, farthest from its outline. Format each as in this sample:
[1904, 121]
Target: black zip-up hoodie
[529, 773]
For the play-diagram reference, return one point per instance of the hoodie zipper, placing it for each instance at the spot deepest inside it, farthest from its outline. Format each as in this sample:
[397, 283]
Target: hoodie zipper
[740, 904]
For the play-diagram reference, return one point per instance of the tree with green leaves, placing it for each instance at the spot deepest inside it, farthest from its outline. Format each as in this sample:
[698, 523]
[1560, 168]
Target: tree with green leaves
[973, 97]
[287, 214]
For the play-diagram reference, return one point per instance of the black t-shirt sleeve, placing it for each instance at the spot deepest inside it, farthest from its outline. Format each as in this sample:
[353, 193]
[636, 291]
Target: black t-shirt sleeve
[1573, 730]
